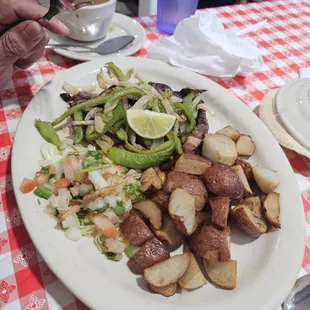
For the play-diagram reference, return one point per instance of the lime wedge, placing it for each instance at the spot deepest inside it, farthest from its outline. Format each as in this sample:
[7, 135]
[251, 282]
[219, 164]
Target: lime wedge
[148, 124]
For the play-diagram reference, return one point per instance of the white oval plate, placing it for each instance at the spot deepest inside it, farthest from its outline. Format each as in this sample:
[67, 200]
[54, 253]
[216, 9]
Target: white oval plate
[267, 266]
[121, 25]
[293, 109]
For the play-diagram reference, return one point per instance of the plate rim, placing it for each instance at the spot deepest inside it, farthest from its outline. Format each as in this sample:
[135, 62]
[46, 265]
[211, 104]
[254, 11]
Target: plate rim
[78, 291]
[138, 46]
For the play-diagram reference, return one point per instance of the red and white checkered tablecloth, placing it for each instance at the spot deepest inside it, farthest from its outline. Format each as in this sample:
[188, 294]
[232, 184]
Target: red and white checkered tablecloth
[26, 282]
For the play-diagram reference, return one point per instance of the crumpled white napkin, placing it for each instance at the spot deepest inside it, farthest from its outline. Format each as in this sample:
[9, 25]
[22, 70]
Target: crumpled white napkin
[200, 43]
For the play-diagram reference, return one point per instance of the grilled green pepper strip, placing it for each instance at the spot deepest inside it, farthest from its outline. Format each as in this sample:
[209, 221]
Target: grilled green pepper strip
[119, 113]
[117, 71]
[122, 135]
[48, 132]
[90, 132]
[157, 106]
[189, 111]
[161, 108]
[116, 95]
[139, 161]
[119, 125]
[78, 116]
[129, 74]
[178, 144]
[110, 103]
[154, 104]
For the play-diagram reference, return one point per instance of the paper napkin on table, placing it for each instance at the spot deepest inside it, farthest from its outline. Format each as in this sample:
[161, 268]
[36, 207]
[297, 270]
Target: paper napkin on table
[200, 43]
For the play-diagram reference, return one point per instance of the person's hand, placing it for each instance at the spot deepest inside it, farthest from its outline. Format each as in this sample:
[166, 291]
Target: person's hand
[22, 39]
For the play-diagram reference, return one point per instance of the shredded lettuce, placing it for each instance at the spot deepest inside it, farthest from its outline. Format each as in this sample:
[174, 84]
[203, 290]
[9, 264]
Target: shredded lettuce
[100, 242]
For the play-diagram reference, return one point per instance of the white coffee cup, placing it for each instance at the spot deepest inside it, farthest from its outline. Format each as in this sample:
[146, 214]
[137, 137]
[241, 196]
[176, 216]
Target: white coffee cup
[89, 23]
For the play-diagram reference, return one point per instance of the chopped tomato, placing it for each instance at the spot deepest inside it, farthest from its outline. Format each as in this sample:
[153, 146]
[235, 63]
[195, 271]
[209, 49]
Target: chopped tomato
[27, 185]
[71, 165]
[62, 183]
[104, 224]
[106, 175]
[84, 179]
[52, 170]
[75, 202]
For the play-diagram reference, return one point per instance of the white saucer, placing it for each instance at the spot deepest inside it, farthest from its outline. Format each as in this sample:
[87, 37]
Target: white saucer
[268, 115]
[121, 25]
[292, 105]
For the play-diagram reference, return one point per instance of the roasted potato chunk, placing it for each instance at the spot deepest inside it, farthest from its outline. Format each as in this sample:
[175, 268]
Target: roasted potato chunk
[135, 230]
[211, 243]
[219, 149]
[230, 132]
[182, 211]
[204, 218]
[246, 187]
[161, 175]
[247, 222]
[222, 274]
[247, 168]
[193, 277]
[151, 253]
[245, 146]
[150, 181]
[177, 179]
[254, 204]
[161, 198]
[167, 272]
[192, 164]
[221, 180]
[168, 234]
[271, 208]
[266, 179]
[220, 210]
[166, 291]
[150, 210]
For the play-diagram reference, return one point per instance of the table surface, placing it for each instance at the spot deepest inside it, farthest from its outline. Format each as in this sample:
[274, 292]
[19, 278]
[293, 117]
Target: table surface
[26, 282]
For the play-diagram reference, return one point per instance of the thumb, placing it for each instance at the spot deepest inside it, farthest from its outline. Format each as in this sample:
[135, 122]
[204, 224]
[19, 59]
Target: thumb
[18, 42]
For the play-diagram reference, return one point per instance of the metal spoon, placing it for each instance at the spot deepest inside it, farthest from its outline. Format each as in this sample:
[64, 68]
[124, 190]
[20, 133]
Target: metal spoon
[59, 6]
[299, 298]
[104, 48]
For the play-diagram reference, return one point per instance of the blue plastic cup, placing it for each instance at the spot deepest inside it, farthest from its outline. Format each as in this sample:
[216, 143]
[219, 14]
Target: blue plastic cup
[171, 12]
